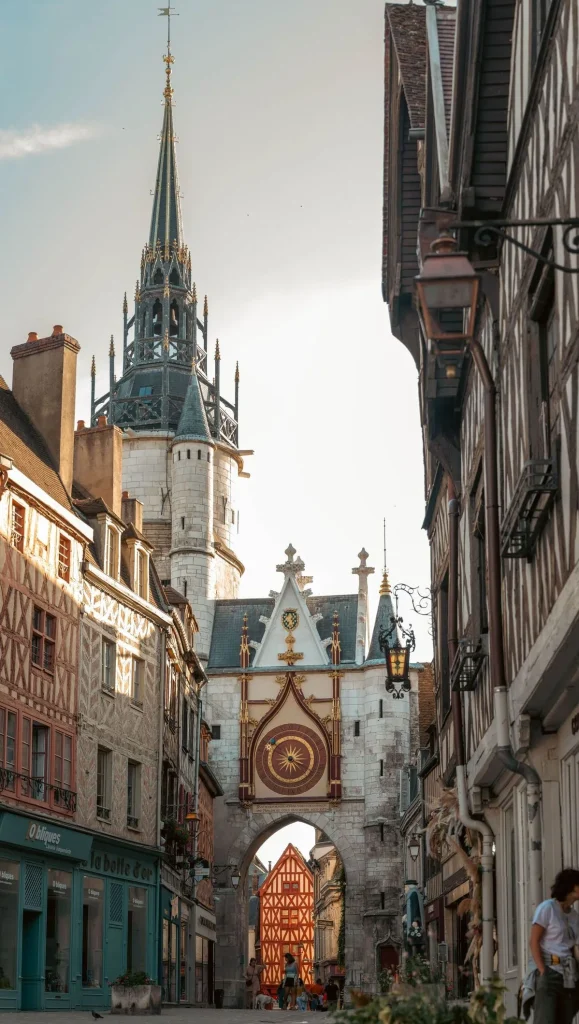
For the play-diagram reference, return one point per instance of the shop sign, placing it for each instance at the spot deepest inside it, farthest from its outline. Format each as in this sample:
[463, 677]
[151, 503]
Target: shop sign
[8, 876]
[59, 889]
[206, 922]
[121, 866]
[44, 837]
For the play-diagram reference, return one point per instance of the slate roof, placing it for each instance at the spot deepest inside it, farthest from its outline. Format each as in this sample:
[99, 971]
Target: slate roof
[193, 420]
[166, 223]
[384, 612]
[407, 26]
[446, 24]
[21, 442]
[228, 623]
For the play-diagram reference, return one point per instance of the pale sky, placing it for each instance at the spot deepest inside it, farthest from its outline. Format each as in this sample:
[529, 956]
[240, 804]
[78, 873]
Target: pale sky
[279, 112]
[301, 835]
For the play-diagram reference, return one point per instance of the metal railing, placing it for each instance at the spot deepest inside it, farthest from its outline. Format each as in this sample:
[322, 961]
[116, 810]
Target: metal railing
[37, 789]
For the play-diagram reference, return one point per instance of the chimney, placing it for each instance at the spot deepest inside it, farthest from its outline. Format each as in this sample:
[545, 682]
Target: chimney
[98, 462]
[44, 385]
[132, 511]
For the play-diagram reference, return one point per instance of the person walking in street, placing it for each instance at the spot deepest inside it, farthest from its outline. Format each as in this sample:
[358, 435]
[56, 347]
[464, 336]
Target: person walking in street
[554, 934]
[290, 981]
[301, 996]
[332, 994]
[252, 982]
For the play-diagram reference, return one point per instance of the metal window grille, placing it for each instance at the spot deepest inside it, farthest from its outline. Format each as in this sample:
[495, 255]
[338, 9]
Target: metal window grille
[33, 887]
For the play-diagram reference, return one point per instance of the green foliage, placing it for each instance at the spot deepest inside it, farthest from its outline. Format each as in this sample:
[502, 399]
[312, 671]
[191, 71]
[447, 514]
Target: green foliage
[132, 978]
[417, 970]
[486, 1007]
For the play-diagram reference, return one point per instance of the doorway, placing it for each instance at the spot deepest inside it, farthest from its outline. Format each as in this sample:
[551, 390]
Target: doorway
[31, 971]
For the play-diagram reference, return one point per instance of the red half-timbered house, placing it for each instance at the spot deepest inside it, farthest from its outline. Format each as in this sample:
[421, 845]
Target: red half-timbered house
[286, 918]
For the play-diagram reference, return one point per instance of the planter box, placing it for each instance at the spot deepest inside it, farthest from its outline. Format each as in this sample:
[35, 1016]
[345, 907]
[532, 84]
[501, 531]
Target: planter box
[137, 999]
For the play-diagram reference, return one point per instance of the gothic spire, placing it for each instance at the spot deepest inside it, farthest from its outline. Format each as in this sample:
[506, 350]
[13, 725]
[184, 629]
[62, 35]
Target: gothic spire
[166, 223]
[193, 421]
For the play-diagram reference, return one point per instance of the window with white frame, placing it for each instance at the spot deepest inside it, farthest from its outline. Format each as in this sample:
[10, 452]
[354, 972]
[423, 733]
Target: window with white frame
[17, 525]
[64, 549]
[137, 681]
[141, 573]
[43, 640]
[108, 665]
[112, 552]
[133, 794]
[104, 774]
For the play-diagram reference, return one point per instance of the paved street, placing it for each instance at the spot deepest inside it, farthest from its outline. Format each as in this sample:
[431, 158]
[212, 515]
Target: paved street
[173, 1015]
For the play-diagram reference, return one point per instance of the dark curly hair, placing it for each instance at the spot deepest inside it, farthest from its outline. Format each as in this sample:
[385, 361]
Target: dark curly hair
[564, 883]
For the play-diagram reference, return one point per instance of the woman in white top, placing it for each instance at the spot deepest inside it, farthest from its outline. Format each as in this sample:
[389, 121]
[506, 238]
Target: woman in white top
[554, 933]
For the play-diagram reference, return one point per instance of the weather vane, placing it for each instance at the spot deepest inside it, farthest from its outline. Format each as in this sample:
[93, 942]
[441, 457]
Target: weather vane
[168, 12]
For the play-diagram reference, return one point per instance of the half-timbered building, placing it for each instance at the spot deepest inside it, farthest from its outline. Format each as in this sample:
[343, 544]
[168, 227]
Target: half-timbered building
[328, 913]
[286, 919]
[496, 137]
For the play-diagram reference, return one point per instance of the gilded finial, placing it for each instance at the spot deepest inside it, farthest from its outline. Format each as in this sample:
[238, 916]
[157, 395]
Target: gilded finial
[112, 346]
[194, 292]
[166, 340]
[385, 584]
[237, 373]
[205, 307]
[93, 367]
[217, 352]
[125, 306]
[194, 365]
[137, 292]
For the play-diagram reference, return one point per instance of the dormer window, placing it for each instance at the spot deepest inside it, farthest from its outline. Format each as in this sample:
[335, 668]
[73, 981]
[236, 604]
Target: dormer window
[112, 553]
[142, 573]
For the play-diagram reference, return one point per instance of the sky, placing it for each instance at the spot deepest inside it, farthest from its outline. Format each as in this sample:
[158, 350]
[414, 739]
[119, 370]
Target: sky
[301, 835]
[279, 113]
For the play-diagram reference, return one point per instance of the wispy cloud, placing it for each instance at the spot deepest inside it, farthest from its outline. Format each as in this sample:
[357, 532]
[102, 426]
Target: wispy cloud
[38, 139]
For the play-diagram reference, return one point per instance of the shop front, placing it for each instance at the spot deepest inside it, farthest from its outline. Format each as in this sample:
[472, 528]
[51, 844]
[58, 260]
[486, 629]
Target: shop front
[176, 944]
[205, 932]
[75, 914]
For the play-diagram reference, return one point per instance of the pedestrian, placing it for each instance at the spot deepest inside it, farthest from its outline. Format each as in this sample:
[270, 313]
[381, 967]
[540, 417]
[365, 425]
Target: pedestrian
[332, 993]
[252, 982]
[301, 996]
[281, 995]
[289, 982]
[554, 934]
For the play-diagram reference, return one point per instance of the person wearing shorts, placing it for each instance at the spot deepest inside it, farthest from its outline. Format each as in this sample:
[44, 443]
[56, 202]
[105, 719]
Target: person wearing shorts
[290, 981]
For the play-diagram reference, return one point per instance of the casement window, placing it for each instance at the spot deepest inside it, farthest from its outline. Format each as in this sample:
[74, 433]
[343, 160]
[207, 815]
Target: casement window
[112, 552]
[34, 759]
[17, 525]
[64, 558]
[108, 665]
[137, 681]
[104, 774]
[43, 640]
[7, 748]
[133, 794]
[62, 760]
[141, 573]
[216, 732]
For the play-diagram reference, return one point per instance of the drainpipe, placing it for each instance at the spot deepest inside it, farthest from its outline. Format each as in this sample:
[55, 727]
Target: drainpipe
[161, 731]
[487, 889]
[497, 655]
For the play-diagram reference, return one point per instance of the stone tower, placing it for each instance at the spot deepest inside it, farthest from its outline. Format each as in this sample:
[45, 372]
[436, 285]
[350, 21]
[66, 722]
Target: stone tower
[181, 454]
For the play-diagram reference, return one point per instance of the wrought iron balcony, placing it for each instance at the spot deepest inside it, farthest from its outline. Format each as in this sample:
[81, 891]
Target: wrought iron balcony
[37, 789]
[467, 664]
[533, 497]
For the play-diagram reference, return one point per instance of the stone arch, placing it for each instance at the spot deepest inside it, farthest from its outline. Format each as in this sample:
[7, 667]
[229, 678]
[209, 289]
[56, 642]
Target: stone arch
[238, 846]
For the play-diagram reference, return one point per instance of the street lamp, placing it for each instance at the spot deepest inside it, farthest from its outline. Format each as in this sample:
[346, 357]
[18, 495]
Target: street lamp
[414, 847]
[448, 290]
[397, 656]
[235, 878]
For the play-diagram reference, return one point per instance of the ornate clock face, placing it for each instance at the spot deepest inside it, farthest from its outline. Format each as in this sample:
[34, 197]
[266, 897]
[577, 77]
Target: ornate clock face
[290, 759]
[290, 619]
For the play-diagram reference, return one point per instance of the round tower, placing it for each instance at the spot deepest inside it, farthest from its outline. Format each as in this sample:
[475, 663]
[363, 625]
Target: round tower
[192, 554]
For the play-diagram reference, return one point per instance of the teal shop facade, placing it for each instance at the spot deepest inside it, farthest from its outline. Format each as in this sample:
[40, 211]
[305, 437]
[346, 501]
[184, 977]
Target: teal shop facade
[76, 910]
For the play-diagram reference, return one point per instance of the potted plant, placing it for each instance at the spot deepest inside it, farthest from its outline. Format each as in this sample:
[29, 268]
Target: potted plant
[135, 993]
[416, 1006]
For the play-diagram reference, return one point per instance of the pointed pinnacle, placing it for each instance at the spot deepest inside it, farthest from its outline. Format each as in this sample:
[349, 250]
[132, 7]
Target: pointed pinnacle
[217, 352]
[112, 346]
[93, 367]
[205, 307]
[125, 306]
[237, 373]
[194, 292]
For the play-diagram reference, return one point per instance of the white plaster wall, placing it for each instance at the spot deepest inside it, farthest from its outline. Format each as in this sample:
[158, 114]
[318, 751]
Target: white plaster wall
[147, 472]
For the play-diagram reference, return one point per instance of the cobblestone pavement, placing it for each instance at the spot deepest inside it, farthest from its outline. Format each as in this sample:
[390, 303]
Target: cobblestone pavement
[173, 1015]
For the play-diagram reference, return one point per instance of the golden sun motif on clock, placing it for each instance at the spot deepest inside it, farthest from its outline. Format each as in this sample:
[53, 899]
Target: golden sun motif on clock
[290, 619]
[291, 759]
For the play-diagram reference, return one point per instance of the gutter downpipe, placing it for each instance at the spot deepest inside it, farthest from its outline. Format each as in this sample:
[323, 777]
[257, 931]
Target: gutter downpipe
[497, 655]
[487, 859]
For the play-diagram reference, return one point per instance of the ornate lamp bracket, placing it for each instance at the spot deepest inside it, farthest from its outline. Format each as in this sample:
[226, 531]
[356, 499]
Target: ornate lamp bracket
[488, 231]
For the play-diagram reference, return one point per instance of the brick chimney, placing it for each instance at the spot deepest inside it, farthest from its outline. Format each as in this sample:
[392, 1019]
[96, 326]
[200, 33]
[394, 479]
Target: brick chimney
[44, 385]
[98, 461]
[132, 511]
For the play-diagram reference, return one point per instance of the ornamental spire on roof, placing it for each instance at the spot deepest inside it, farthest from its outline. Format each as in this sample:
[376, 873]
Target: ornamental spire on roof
[166, 222]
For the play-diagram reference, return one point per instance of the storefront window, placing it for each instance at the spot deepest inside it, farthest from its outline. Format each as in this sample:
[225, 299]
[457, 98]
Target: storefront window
[183, 954]
[169, 961]
[92, 932]
[57, 967]
[203, 970]
[9, 883]
[137, 930]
